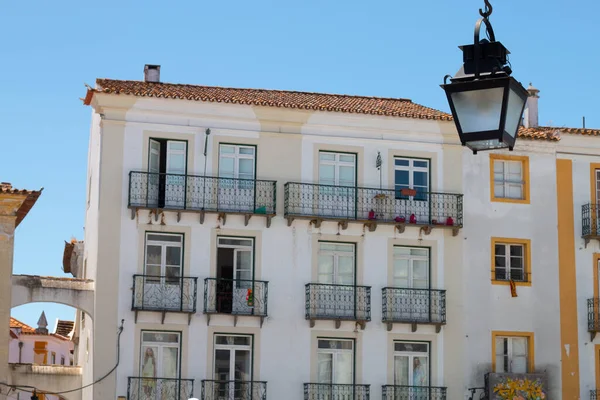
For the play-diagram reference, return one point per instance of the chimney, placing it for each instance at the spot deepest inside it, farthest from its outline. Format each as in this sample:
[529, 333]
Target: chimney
[151, 73]
[531, 108]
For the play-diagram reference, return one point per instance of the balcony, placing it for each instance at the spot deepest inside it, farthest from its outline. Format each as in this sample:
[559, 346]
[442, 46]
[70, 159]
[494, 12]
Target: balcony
[236, 297]
[233, 390]
[414, 306]
[139, 388]
[526, 385]
[593, 307]
[590, 222]
[395, 392]
[594, 394]
[373, 206]
[164, 294]
[338, 303]
[201, 194]
[330, 391]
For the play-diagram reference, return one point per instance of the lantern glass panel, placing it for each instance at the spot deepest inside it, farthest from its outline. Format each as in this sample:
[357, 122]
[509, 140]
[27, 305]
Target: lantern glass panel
[486, 145]
[479, 110]
[514, 111]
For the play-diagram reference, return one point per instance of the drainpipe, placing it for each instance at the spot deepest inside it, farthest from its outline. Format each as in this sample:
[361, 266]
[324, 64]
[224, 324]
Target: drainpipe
[20, 349]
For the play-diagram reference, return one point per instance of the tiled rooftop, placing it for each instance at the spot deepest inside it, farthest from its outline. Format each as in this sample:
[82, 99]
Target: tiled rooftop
[32, 196]
[63, 328]
[15, 323]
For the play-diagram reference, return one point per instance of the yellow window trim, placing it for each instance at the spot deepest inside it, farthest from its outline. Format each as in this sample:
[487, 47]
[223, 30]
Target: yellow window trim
[505, 157]
[527, 270]
[530, 346]
[597, 365]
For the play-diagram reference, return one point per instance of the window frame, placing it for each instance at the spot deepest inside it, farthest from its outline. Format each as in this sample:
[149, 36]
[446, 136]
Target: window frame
[236, 158]
[513, 334]
[141, 345]
[234, 247]
[410, 258]
[429, 357]
[216, 347]
[411, 169]
[336, 164]
[525, 173]
[335, 254]
[340, 339]
[153, 279]
[526, 243]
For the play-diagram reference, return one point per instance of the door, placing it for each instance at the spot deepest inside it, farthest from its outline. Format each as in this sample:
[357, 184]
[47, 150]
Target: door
[335, 367]
[154, 177]
[337, 175]
[412, 174]
[411, 370]
[175, 182]
[233, 368]
[235, 276]
[159, 365]
[237, 178]
[337, 296]
[411, 299]
[163, 289]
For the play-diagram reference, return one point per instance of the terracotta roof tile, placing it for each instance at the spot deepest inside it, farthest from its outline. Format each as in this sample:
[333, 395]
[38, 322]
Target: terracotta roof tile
[63, 328]
[539, 133]
[32, 196]
[394, 107]
[15, 323]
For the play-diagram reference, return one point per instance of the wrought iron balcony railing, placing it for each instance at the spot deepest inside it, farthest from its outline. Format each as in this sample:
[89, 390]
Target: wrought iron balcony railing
[395, 392]
[369, 204]
[593, 308]
[139, 388]
[201, 193]
[164, 293]
[338, 302]
[236, 296]
[233, 390]
[594, 394]
[590, 221]
[417, 306]
[330, 391]
[494, 381]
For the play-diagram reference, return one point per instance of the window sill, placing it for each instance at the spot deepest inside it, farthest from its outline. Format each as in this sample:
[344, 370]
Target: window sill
[509, 200]
[506, 283]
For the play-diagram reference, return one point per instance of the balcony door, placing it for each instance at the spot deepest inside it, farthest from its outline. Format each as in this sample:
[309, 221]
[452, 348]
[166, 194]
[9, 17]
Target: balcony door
[335, 366]
[232, 367]
[410, 272]
[163, 271]
[411, 370]
[167, 167]
[336, 271]
[411, 185]
[337, 174]
[235, 275]
[237, 165]
[159, 364]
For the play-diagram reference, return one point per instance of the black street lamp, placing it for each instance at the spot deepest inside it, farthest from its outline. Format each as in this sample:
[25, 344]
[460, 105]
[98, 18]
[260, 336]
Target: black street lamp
[486, 102]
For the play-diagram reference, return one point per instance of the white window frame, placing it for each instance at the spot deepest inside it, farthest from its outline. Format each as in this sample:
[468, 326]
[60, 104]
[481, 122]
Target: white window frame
[507, 262]
[411, 259]
[334, 353]
[160, 346]
[164, 245]
[411, 169]
[237, 156]
[510, 356]
[411, 356]
[337, 163]
[236, 248]
[336, 254]
[506, 183]
[232, 349]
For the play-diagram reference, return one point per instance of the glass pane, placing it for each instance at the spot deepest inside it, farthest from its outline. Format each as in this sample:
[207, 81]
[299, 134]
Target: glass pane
[165, 238]
[345, 279]
[173, 255]
[226, 166]
[153, 254]
[170, 362]
[326, 156]
[401, 370]
[346, 176]
[326, 246]
[242, 365]
[401, 162]
[176, 163]
[175, 145]
[173, 272]
[348, 158]
[324, 368]
[411, 347]
[160, 337]
[499, 189]
[420, 371]
[153, 270]
[519, 346]
[516, 262]
[347, 248]
[478, 110]
[343, 368]
[420, 164]
[224, 241]
[516, 250]
[419, 252]
[325, 264]
[247, 150]
[500, 262]
[499, 168]
[222, 369]
[515, 191]
[335, 344]
[346, 265]
[420, 179]
[242, 340]
[154, 146]
[515, 167]
[149, 361]
[513, 112]
[500, 249]
[518, 365]
[500, 274]
[401, 178]
[402, 250]
[326, 174]
[246, 166]
[154, 163]
[420, 274]
[225, 149]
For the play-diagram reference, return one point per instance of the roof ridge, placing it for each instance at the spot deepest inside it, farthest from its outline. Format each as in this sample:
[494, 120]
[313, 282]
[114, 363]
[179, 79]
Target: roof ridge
[403, 99]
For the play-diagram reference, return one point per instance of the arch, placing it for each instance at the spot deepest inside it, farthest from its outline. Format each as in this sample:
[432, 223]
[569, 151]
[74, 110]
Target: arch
[77, 293]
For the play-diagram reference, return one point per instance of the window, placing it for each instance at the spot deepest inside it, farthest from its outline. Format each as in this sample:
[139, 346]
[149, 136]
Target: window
[335, 361]
[235, 276]
[233, 359]
[337, 169]
[62, 360]
[237, 161]
[167, 166]
[509, 178]
[164, 257]
[336, 263]
[511, 260]
[411, 364]
[411, 267]
[513, 352]
[159, 357]
[40, 351]
[53, 358]
[411, 173]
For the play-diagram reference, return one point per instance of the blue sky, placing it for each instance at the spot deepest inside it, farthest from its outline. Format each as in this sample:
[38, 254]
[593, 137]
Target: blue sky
[385, 48]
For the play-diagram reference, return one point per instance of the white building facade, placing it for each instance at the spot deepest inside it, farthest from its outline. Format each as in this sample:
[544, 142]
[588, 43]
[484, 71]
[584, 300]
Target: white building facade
[307, 246]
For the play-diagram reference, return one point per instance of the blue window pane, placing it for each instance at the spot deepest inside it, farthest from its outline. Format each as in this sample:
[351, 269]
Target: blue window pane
[420, 179]
[401, 162]
[401, 178]
[421, 164]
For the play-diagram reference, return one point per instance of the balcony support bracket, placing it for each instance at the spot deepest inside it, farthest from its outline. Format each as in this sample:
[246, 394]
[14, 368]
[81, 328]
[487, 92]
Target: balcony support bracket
[343, 225]
[362, 324]
[316, 222]
[426, 229]
[438, 328]
[207, 319]
[269, 218]
[338, 323]
[312, 323]
[223, 217]
[235, 317]
[413, 327]
[247, 219]
[262, 320]
[156, 215]
[372, 225]
[164, 314]
[202, 214]
[389, 326]
[592, 336]
[290, 220]
[135, 318]
[189, 318]
[133, 213]
[178, 216]
[455, 231]
[400, 228]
